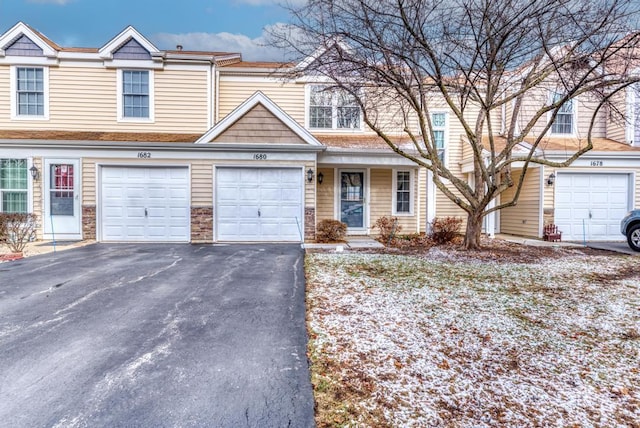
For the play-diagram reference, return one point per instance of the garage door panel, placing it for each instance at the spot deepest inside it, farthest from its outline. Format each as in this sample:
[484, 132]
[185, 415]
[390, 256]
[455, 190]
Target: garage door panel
[275, 192]
[126, 192]
[590, 206]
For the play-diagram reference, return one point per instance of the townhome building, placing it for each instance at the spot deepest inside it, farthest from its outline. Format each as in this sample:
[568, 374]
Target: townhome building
[128, 142]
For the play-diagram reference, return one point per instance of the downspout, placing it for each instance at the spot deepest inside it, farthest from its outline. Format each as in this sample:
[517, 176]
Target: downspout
[217, 97]
[503, 118]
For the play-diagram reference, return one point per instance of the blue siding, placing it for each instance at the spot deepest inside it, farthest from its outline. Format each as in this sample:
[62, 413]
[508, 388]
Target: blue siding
[131, 50]
[23, 46]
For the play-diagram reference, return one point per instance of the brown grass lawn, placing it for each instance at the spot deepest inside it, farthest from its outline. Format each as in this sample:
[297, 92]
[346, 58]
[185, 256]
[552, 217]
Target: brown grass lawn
[510, 336]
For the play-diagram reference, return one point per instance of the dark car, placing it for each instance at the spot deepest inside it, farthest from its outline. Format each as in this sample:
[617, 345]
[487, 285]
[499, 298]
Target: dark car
[630, 227]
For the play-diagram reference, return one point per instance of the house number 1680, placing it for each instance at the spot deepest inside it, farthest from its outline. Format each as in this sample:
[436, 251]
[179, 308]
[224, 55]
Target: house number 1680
[260, 156]
[144, 155]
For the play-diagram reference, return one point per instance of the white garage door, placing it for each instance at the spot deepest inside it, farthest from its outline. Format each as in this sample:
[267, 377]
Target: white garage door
[259, 204]
[590, 206]
[145, 204]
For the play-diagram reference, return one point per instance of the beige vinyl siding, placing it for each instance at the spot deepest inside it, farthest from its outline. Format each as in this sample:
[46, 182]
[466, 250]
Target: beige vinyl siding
[421, 197]
[310, 188]
[616, 126]
[524, 218]
[259, 126]
[5, 96]
[86, 99]
[88, 184]
[326, 195]
[381, 200]
[288, 96]
[201, 183]
[584, 107]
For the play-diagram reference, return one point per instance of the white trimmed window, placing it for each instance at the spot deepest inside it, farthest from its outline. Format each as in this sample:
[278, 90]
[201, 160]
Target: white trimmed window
[439, 128]
[563, 123]
[332, 109]
[29, 92]
[13, 186]
[135, 95]
[402, 192]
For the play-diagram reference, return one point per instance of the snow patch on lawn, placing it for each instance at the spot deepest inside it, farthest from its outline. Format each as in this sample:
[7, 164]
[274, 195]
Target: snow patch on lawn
[451, 342]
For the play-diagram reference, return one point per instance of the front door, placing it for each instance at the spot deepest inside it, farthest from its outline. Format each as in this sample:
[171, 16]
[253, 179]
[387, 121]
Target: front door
[352, 206]
[61, 199]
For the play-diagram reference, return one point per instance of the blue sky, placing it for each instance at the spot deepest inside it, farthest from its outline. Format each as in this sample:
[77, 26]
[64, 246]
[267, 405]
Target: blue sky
[230, 26]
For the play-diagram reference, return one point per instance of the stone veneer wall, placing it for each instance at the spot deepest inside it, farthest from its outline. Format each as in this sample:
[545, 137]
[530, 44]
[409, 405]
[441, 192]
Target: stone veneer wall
[88, 222]
[202, 224]
[309, 224]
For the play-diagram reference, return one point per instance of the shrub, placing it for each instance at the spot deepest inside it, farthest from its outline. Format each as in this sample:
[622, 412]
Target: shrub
[445, 229]
[389, 227]
[331, 231]
[16, 230]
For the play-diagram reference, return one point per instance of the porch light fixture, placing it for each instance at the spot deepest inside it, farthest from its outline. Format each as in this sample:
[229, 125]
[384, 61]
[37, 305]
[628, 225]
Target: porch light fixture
[320, 177]
[34, 172]
[551, 179]
[309, 175]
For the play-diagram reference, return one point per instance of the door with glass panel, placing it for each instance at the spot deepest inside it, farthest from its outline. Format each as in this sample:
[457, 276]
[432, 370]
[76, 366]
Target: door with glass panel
[61, 199]
[352, 204]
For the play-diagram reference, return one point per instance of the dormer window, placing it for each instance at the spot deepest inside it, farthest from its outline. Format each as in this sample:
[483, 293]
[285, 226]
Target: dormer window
[135, 97]
[332, 109]
[563, 123]
[29, 92]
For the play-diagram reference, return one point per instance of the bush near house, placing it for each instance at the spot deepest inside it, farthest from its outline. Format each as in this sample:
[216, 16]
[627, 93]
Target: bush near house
[17, 229]
[388, 227]
[445, 229]
[331, 231]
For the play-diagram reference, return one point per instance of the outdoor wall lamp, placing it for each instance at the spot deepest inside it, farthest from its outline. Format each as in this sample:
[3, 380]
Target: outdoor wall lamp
[320, 177]
[34, 172]
[551, 179]
[309, 175]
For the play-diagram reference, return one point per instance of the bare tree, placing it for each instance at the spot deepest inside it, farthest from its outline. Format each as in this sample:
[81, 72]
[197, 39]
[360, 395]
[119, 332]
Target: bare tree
[479, 59]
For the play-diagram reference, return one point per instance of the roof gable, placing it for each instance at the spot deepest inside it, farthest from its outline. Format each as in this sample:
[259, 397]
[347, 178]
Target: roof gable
[131, 49]
[134, 42]
[23, 46]
[260, 104]
[21, 40]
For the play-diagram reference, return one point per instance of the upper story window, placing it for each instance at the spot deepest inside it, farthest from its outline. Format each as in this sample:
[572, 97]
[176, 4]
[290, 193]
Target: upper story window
[402, 192]
[439, 128]
[332, 109]
[13, 185]
[563, 123]
[29, 92]
[135, 97]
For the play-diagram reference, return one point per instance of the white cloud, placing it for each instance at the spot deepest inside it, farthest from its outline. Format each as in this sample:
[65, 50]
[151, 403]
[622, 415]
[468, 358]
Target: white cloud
[58, 2]
[252, 49]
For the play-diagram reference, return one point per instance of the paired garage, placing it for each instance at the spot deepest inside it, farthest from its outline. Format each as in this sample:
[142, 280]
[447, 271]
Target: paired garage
[152, 204]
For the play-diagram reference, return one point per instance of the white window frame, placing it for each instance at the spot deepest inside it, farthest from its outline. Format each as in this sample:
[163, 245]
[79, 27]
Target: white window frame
[13, 70]
[334, 113]
[574, 115]
[445, 128]
[28, 190]
[394, 192]
[120, 100]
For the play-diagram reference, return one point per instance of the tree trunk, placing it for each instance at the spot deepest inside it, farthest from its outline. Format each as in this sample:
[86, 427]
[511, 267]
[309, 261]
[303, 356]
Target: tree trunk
[474, 228]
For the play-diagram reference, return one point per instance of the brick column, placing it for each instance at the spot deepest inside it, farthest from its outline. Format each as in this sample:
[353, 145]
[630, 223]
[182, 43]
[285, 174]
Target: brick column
[88, 222]
[201, 224]
[309, 224]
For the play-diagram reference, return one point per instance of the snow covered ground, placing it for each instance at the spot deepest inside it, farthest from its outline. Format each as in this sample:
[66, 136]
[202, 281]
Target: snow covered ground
[447, 339]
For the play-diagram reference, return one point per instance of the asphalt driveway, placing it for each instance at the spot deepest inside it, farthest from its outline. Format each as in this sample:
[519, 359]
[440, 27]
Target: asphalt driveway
[155, 335]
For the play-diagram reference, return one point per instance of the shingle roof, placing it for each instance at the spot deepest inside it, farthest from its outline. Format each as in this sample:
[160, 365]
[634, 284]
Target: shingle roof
[362, 141]
[150, 137]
